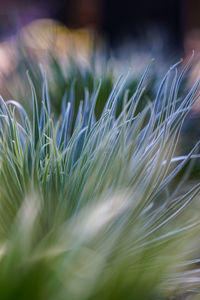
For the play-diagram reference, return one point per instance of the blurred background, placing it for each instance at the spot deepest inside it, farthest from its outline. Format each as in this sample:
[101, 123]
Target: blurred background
[174, 22]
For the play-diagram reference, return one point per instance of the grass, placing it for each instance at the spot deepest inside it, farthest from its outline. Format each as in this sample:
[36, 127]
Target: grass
[87, 208]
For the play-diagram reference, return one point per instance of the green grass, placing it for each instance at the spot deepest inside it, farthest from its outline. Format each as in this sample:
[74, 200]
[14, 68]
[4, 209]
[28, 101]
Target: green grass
[86, 205]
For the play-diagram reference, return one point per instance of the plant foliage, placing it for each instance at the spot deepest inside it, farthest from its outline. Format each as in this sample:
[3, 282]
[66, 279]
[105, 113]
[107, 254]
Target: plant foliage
[85, 206]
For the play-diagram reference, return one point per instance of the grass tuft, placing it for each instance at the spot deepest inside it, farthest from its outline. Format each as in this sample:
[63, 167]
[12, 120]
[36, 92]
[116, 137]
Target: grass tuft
[86, 205]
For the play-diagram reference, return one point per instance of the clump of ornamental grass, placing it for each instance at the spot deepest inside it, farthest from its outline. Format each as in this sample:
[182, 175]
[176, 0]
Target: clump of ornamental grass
[86, 208]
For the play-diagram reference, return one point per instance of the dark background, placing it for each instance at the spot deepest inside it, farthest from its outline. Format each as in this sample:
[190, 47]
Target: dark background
[117, 21]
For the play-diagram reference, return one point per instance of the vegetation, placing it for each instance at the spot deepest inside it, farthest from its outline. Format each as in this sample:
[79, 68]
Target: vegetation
[88, 204]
